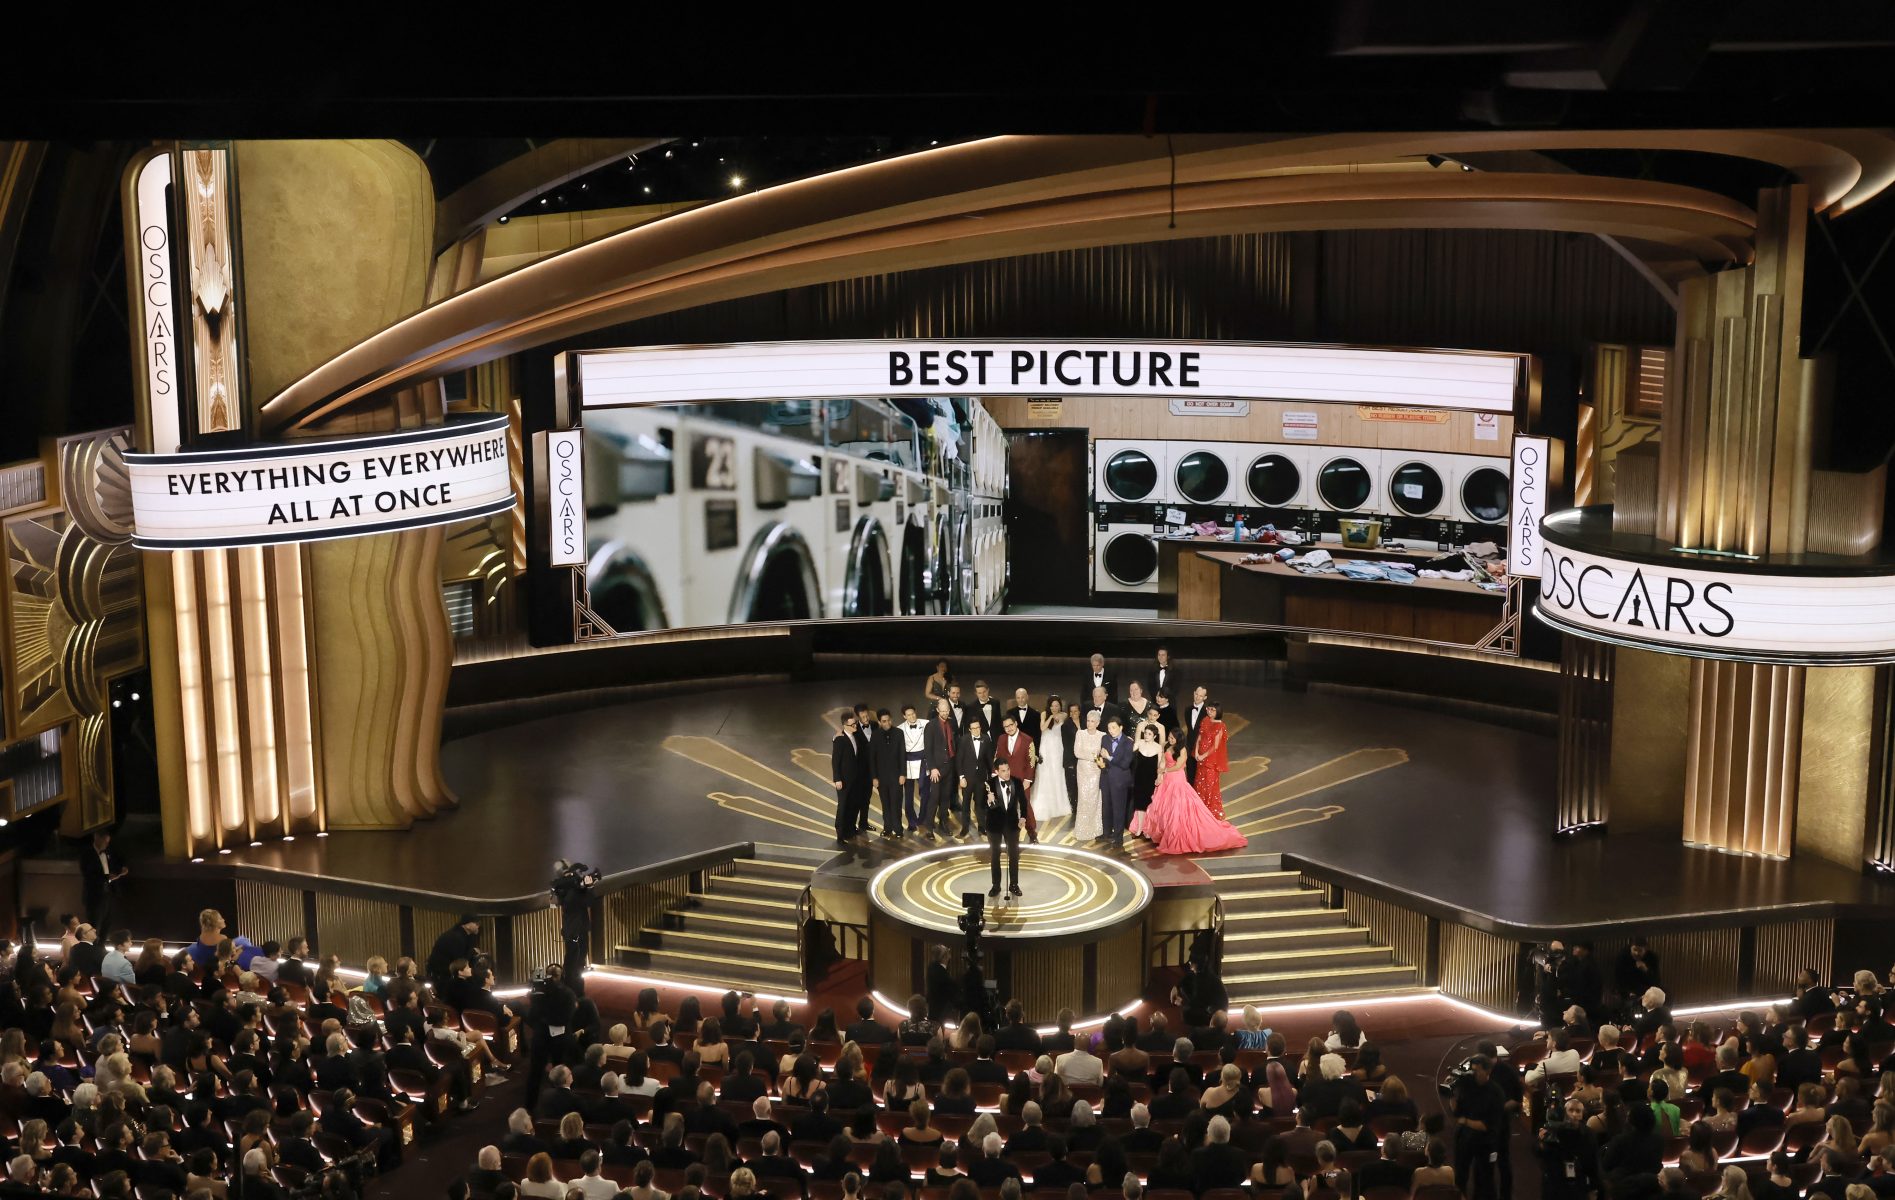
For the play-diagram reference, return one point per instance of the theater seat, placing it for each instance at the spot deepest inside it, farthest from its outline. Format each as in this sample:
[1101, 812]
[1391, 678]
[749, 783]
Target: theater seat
[1438, 1191]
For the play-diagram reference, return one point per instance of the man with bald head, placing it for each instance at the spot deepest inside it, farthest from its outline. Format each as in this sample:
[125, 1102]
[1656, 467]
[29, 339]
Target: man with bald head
[1023, 712]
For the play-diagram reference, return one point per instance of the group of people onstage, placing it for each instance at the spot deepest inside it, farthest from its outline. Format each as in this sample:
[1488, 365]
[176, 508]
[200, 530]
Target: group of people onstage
[1135, 765]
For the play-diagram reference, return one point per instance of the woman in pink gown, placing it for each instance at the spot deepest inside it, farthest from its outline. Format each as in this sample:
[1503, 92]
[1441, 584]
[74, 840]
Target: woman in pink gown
[1177, 819]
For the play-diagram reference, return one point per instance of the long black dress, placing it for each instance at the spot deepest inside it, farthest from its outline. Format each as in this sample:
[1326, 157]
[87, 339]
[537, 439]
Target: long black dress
[1144, 780]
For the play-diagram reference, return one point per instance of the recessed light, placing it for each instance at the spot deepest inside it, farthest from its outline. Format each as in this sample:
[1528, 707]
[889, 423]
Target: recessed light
[115, 704]
[736, 181]
[542, 199]
[223, 850]
[648, 189]
[324, 833]
[134, 695]
[503, 220]
[254, 845]
[289, 837]
[198, 859]
[667, 154]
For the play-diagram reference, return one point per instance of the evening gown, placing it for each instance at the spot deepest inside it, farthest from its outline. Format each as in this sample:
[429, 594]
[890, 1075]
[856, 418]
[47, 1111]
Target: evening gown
[1088, 815]
[1180, 823]
[1213, 756]
[1144, 782]
[1049, 781]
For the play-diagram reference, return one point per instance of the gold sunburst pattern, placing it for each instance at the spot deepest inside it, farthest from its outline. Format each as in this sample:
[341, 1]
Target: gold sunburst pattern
[809, 808]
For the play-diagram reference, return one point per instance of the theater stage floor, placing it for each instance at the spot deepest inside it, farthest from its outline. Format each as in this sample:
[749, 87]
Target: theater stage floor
[1441, 807]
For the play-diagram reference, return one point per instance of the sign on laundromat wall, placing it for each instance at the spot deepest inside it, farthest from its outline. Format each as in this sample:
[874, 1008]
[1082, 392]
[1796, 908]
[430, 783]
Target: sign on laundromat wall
[1530, 478]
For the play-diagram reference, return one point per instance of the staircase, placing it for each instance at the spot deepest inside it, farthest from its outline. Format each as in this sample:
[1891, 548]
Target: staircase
[739, 933]
[1283, 943]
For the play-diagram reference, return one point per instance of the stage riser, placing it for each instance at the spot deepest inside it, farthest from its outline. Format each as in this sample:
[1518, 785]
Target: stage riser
[1090, 978]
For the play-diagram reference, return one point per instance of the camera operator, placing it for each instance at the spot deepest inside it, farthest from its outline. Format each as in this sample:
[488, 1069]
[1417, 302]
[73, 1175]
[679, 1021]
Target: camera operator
[1569, 1154]
[1481, 1120]
[572, 892]
[459, 941]
[549, 1018]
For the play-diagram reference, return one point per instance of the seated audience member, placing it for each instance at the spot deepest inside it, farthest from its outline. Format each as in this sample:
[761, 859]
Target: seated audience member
[1437, 1171]
[1218, 1164]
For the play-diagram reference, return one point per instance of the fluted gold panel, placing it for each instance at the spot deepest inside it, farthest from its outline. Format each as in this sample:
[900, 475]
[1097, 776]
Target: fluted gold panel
[269, 912]
[1745, 752]
[1479, 967]
[1833, 807]
[1785, 948]
[1045, 981]
[1650, 704]
[891, 960]
[1121, 970]
[356, 928]
[431, 923]
[629, 910]
[1402, 930]
[1585, 732]
[536, 941]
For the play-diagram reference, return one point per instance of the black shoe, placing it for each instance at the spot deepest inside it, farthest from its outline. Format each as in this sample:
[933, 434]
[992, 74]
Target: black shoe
[1015, 890]
[929, 834]
[995, 892]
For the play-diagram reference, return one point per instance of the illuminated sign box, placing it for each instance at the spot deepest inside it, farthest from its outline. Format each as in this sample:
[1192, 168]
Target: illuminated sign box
[1631, 592]
[302, 492]
[1232, 371]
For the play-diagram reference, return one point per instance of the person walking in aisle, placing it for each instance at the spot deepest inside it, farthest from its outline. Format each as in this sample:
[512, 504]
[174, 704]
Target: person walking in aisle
[1087, 823]
[887, 757]
[914, 782]
[1213, 757]
[1050, 795]
[847, 771]
[1115, 783]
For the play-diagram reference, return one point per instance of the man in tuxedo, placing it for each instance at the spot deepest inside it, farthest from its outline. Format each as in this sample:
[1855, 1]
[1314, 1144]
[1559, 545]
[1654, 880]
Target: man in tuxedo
[1024, 713]
[887, 757]
[976, 760]
[1115, 784]
[940, 774]
[1163, 675]
[101, 872]
[1103, 704]
[1006, 806]
[959, 708]
[849, 773]
[1188, 725]
[1016, 750]
[986, 707]
[1097, 678]
[865, 742]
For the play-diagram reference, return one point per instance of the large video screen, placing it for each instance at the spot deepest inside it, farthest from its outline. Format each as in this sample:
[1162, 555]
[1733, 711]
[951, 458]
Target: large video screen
[752, 511]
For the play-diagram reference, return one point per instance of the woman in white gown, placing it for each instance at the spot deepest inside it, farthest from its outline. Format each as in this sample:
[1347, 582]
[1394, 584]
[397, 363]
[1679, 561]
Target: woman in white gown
[1088, 820]
[1049, 780]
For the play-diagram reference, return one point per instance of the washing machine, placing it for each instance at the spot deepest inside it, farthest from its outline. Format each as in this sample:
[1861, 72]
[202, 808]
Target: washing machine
[756, 519]
[1125, 549]
[1204, 473]
[866, 443]
[1419, 484]
[1273, 476]
[1483, 490]
[914, 552]
[1126, 472]
[1347, 479]
[635, 565]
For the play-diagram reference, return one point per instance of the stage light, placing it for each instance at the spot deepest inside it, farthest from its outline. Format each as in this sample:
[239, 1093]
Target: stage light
[1466, 167]
[584, 186]
[667, 154]
[321, 833]
[289, 837]
[652, 981]
[134, 696]
[736, 181]
[114, 704]
[503, 220]
[648, 189]
[542, 199]
[223, 849]
[198, 859]
[3, 822]
[254, 845]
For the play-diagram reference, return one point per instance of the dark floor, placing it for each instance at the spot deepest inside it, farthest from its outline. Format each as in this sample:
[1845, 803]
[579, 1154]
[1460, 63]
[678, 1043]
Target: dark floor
[1419, 801]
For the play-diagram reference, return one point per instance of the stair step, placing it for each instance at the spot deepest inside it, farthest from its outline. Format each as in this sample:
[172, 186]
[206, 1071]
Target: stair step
[705, 966]
[1248, 901]
[1329, 996]
[1324, 980]
[768, 868]
[763, 948]
[1236, 924]
[1308, 958]
[763, 889]
[735, 911]
[1319, 937]
[1217, 865]
[1259, 880]
[810, 856]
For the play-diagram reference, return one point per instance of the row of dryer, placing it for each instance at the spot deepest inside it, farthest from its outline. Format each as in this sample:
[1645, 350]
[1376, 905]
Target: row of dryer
[1136, 482]
[1470, 488]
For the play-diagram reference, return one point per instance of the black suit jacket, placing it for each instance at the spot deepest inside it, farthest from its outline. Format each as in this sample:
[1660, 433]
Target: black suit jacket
[938, 749]
[1167, 678]
[93, 875]
[976, 763]
[1188, 725]
[989, 713]
[86, 956]
[1006, 806]
[1029, 722]
[888, 755]
[1084, 694]
[846, 763]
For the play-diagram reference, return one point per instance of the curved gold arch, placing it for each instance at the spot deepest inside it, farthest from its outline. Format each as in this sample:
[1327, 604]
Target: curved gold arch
[986, 199]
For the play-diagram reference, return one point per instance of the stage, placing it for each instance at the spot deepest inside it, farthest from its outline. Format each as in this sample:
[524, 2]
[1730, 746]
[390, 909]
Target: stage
[1427, 829]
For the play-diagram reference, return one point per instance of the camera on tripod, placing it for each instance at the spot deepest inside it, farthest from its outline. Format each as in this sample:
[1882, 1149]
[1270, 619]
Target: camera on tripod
[972, 920]
[571, 882]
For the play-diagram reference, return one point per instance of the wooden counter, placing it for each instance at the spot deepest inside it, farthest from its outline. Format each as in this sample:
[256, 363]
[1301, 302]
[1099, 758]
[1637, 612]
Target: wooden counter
[1215, 585]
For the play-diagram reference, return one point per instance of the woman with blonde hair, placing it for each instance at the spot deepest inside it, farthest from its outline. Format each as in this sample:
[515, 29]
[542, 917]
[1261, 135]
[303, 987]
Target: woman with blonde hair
[966, 1035]
[1837, 1155]
[1735, 1184]
[743, 1182]
[377, 980]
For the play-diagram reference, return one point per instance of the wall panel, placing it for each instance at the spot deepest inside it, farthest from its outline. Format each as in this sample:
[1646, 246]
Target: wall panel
[1056, 976]
[1404, 930]
[269, 912]
[357, 928]
[1785, 948]
[1479, 967]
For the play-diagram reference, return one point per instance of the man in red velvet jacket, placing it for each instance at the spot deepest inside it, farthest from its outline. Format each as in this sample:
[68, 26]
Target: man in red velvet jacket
[1016, 749]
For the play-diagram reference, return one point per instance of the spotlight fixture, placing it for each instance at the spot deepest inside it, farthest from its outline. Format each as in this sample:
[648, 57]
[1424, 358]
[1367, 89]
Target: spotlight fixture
[134, 697]
[115, 704]
[503, 219]
[1466, 167]
[3, 822]
[542, 199]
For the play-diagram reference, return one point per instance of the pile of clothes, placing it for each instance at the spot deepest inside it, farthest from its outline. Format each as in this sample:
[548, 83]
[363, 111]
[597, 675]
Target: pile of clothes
[1463, 566]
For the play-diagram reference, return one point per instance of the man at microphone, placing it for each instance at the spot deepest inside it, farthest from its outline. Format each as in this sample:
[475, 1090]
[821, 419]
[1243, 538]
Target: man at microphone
[1006, 806]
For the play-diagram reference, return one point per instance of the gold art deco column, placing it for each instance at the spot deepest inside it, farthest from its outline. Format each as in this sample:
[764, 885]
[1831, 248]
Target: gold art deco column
[1733, 479]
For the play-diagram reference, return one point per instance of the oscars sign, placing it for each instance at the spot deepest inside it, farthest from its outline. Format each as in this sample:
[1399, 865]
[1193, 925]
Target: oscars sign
[290, 492]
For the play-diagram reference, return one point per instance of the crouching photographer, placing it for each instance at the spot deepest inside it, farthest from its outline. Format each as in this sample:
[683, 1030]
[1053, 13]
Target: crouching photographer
[1569, 1154]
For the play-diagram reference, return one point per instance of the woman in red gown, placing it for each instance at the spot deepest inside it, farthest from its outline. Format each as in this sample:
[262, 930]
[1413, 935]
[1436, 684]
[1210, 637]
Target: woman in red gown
[1213, 755]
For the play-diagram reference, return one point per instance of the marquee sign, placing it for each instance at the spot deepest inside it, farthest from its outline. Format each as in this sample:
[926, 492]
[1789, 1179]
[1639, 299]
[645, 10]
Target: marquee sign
[1175, 370]
[303, 492]
[1748, 613]
[1531, 475]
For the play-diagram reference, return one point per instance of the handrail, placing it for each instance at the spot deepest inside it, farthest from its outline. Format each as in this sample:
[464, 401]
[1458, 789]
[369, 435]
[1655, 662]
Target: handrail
[670, 868]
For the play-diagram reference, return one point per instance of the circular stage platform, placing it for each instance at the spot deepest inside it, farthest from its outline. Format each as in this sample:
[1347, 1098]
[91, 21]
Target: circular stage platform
[1078, 932]
[1068, 892]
